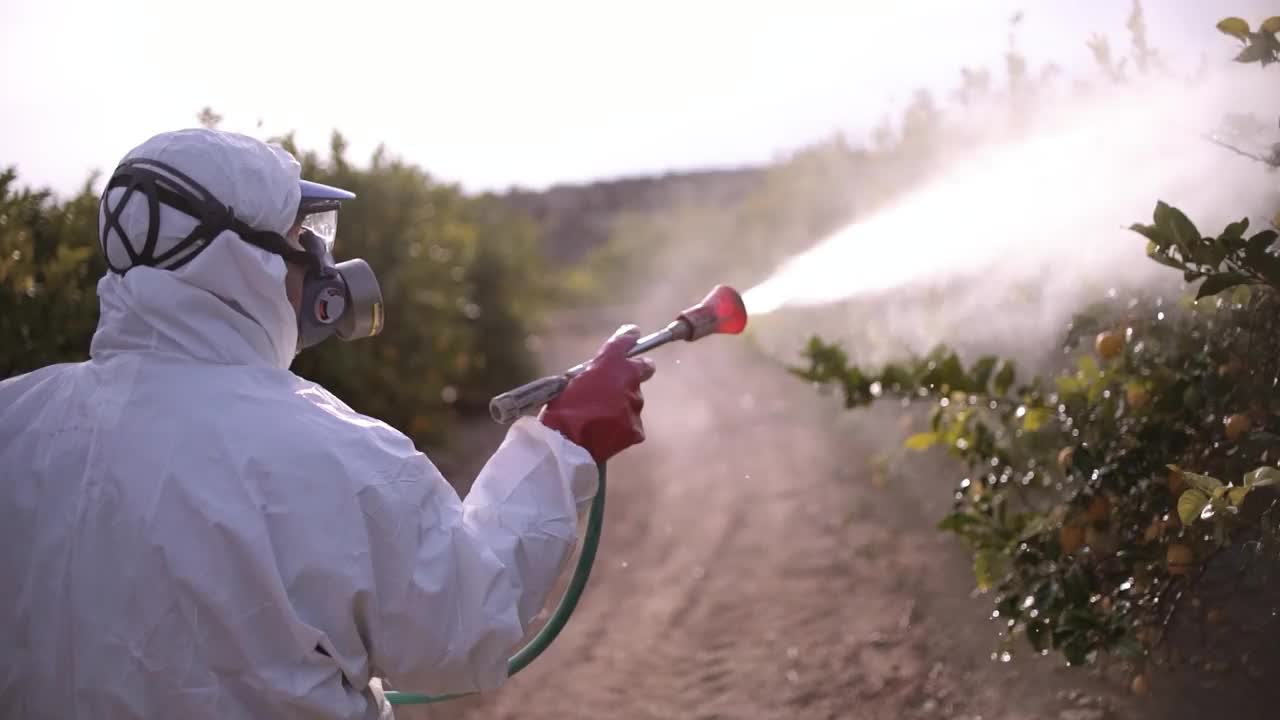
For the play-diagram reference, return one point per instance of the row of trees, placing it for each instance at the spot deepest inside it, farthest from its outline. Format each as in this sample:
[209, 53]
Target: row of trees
[1130, 493]
[462, 277]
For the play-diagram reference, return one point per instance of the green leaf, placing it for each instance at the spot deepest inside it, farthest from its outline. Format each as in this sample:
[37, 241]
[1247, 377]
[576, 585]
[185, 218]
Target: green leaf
[951, 375]
[1069, 385]
[1235, 230]
[958, 522]
[1035, 419]
[1261, 241]
[921, 441]
[1155, 253]
[1262, 477]
[1190, 504]
[1035, 525]
[1236, 495]
[1152, 234]
[896, 375]
[1203, 483]
[1271, 25]
[988, 567]
[1178, 227]
[1088, 369]
[1235, 27]
[1215, 284]
[982, 371]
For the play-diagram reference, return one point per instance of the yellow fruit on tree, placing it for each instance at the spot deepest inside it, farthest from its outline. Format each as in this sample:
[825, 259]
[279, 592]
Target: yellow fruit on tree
[1109, 344]
[1236, 426]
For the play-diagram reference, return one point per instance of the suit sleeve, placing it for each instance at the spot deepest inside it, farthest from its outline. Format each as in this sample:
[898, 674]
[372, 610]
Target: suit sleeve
[456, 583]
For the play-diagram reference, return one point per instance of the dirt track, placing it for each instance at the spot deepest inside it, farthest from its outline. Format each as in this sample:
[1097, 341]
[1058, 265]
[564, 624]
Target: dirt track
[749, 569]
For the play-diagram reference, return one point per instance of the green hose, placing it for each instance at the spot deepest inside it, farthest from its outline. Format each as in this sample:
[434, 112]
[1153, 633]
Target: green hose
[558, 619]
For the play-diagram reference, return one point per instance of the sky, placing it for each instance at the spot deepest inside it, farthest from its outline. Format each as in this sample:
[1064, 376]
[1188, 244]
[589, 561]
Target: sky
[499, 94]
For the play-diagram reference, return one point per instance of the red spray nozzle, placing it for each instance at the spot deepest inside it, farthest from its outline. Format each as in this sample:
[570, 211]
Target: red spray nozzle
[721, 311]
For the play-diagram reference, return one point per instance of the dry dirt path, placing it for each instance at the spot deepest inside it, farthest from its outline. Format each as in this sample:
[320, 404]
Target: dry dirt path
[749, 569]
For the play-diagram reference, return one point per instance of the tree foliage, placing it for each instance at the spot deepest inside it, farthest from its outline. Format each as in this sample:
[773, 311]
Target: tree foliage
[49, 262]
[1096, 499]
[1074, 483]
[461, 277]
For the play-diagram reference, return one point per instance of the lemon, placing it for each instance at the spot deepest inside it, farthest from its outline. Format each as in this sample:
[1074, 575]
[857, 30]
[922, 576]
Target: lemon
[1109, 344]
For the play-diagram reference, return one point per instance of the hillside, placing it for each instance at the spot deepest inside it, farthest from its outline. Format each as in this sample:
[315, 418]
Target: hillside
[576, 218]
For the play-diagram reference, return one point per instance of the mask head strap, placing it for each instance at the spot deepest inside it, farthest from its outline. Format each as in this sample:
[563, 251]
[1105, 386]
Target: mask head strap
[163, 183]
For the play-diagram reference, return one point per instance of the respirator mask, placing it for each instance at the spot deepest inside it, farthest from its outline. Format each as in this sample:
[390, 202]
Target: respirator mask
[341, 299]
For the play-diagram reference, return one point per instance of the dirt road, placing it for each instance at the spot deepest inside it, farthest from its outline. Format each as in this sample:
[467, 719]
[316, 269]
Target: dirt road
[749, 569]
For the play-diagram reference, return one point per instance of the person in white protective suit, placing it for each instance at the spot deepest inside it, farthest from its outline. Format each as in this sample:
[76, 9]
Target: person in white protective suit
[189, 530]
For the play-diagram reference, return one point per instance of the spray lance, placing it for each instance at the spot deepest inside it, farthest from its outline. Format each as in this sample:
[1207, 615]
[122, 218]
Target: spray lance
[720, 312]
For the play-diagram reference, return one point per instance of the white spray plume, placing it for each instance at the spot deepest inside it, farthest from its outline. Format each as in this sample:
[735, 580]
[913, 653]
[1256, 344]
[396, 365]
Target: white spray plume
[1064, 194]
[1020, 234]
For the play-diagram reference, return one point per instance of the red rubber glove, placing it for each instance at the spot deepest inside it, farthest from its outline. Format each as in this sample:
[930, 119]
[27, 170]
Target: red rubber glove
[600, 409]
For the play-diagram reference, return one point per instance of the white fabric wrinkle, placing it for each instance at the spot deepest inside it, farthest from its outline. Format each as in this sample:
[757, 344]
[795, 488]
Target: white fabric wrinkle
[186, 520]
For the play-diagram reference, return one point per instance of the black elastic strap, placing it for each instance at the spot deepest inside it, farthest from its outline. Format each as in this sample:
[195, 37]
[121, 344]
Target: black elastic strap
[174, 188]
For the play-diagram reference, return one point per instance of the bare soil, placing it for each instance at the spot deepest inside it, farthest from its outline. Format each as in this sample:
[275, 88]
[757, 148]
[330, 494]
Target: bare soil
[751, 568]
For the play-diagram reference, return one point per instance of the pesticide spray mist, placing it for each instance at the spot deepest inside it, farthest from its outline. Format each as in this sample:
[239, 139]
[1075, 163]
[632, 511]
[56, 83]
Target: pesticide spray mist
[998, 251]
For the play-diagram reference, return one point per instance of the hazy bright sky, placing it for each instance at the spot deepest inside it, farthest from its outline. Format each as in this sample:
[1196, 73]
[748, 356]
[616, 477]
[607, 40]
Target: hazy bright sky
[527, 92]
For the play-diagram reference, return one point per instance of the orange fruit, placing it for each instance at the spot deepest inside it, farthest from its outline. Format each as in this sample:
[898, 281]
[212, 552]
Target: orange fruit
[1180, 559]
[1214, 616]
[1236, 426]
[1109, 344]
[1071, 538]
[1140, 686]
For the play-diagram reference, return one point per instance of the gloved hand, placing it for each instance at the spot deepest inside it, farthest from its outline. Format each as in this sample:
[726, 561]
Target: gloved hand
[600, 409]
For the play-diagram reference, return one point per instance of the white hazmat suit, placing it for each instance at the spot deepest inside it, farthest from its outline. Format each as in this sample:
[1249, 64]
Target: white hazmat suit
[189, 530]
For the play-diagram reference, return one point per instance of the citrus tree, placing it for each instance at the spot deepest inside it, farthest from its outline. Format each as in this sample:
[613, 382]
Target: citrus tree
[1098, 498]
[49, 262]
[461, 276]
